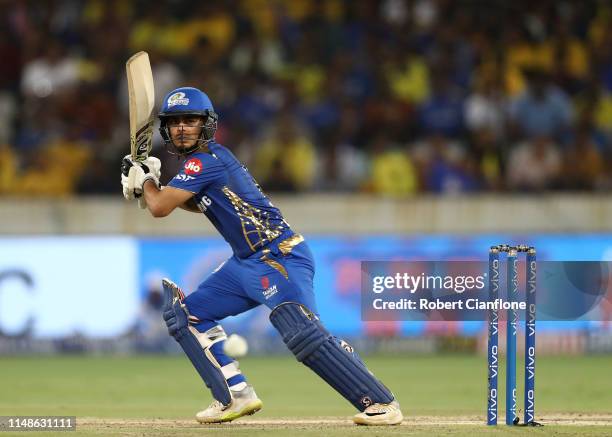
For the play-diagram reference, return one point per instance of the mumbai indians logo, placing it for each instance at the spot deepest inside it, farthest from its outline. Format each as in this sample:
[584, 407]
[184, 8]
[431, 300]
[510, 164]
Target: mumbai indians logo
[177, 99]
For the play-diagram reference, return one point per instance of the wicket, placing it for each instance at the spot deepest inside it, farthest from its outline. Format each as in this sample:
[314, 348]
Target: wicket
[511, 332]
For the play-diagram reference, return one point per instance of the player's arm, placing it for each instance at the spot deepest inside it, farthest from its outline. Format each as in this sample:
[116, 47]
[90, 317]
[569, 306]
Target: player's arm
[190, 206]
[162, 202]
[142, 179]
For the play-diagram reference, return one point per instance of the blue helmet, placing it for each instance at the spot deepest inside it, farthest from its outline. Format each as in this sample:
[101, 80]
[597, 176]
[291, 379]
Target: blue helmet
[188, 101]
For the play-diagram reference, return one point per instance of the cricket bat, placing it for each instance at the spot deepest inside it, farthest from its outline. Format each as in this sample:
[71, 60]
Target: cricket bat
[141, 103]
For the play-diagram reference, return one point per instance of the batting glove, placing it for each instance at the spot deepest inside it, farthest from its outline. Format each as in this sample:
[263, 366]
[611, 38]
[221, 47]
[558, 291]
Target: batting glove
[135, 174]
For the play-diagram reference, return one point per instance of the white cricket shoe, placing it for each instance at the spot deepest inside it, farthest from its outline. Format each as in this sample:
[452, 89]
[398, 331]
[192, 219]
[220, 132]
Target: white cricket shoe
[380, 414]
[244, 402]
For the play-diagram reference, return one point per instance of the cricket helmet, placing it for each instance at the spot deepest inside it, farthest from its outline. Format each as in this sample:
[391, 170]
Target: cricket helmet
[188, 101]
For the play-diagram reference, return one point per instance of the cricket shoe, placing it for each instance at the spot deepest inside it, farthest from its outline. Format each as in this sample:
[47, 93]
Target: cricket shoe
[244, 402]
[380, 414]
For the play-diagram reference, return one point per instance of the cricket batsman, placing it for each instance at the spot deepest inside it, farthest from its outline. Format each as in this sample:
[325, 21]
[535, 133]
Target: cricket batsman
[271, 265]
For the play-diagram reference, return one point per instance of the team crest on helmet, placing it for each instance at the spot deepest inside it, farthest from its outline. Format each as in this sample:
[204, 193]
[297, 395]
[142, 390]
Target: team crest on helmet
[177, 99]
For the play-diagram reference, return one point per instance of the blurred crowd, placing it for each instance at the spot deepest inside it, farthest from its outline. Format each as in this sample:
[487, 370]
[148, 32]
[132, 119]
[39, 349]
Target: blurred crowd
[393, 97]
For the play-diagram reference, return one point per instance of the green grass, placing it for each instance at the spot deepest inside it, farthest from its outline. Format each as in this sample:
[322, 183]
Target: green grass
[148, 387]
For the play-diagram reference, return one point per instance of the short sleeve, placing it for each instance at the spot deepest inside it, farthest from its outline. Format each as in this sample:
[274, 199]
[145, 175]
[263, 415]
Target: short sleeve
[198, 172]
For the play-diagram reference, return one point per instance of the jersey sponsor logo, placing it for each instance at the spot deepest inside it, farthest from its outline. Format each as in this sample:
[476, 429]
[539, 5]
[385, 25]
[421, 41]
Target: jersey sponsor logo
[270, 291]
[177, 99]
[193, 166]
[183, 177]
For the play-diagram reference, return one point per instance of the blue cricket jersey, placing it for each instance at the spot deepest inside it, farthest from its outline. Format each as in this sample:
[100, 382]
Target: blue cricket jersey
[228, 195]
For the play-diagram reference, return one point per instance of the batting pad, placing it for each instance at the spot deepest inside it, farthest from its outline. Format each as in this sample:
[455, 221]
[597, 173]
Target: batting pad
[196, 345]
[330, 358]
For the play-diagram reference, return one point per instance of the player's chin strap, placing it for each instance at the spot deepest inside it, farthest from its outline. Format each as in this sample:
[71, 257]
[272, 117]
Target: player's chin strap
[197, 345]
[332, 359]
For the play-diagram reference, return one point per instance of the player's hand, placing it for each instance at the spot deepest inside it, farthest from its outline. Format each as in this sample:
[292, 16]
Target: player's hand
[135, 174]
[128, 189]
[128, 192]
[150, 165]
[139, 173]
[154, 166]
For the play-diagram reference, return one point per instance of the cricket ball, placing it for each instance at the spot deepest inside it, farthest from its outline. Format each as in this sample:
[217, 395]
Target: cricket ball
[236, 346]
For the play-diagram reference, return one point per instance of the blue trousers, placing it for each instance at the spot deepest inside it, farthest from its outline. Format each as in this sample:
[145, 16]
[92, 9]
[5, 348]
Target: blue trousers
[271, 277]
[266, 277]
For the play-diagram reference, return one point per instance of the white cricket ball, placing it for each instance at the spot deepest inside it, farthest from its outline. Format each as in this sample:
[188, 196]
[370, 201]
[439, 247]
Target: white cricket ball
[236, 346]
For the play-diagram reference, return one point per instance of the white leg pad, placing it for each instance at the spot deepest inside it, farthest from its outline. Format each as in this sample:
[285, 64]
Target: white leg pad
[230, 370]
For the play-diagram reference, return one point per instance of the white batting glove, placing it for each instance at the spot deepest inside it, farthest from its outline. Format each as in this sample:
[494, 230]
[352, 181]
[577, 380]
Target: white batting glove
[154, 166]
[150, 165]
[128, 192]
[135, 174]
